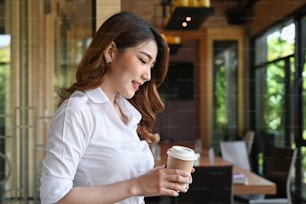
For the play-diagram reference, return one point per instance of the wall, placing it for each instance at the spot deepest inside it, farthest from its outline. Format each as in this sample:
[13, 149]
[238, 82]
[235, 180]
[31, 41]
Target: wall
[178, 121]
[151, 11]
[144, 8]
[104, 9]
[266, 13]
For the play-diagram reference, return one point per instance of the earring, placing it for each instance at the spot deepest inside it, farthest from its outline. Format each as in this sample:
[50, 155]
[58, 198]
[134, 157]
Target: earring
[107, 60]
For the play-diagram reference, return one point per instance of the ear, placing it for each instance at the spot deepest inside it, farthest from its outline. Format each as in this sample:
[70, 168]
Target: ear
[109, 52]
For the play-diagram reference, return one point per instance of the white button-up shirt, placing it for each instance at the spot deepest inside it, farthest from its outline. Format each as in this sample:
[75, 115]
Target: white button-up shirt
[89, 145]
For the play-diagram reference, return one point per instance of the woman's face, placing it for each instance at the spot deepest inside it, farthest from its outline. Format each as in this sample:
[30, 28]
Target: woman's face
[132, 68]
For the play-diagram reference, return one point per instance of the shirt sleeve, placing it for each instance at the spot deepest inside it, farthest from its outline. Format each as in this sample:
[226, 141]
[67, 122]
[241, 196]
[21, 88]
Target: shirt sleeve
[67, 140]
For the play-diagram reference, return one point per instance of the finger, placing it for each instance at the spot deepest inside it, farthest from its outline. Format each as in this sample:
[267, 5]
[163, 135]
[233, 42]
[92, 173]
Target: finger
[185, 177]
[171, 192]
[178, 187]
[190, 181]
[178, 179]
[179, 172]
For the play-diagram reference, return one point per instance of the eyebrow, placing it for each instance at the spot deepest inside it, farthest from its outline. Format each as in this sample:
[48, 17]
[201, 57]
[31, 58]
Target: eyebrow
[149, 56]
[146, 54]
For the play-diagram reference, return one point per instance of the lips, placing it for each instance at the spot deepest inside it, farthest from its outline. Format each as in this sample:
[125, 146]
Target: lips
[136, 85]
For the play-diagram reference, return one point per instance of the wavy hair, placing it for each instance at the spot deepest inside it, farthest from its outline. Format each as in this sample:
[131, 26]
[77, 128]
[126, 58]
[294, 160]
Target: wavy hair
[126, 30]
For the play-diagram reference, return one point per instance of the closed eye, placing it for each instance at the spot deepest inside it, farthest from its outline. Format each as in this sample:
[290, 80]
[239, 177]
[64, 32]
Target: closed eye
[142, 61]
[148, 60]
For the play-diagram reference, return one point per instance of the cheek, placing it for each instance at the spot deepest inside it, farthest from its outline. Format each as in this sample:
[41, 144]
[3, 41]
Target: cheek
[129, 67]
[126, 68]
[119, 68]
[121, 75]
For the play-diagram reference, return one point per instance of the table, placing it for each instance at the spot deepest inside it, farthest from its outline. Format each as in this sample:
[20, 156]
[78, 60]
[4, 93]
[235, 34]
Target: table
[256, 184]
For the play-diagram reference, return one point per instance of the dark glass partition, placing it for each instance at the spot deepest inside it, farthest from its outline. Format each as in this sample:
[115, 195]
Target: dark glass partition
[225, 65]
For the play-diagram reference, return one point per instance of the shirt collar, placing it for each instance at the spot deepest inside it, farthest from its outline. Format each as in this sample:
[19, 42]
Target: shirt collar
[97, 95]
[127, 108]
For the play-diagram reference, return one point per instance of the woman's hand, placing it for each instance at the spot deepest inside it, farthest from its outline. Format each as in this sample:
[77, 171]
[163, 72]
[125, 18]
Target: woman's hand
[162, 182]
[158, 182]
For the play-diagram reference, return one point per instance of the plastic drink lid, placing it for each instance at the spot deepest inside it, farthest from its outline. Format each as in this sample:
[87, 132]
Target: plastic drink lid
[181, 152]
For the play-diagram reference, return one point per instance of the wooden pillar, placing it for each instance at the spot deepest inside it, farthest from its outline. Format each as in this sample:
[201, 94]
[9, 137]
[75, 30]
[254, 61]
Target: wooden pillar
[106, 8]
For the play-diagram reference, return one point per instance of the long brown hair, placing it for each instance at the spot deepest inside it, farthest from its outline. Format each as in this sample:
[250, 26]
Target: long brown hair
[126, 30]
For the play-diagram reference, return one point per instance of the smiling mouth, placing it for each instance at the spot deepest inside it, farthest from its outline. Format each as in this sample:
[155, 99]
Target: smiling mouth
[136, 85]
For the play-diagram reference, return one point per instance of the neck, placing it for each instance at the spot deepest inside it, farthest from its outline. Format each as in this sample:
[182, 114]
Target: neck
[110, 93]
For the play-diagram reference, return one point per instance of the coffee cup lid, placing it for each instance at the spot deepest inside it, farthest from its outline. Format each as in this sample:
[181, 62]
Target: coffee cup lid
[181, 152]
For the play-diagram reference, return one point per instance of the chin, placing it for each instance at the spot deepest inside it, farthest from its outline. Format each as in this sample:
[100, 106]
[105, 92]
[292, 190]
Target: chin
[129, 96]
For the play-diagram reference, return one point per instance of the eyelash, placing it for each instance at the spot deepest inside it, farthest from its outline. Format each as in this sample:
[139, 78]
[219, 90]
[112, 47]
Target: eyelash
[142, 61]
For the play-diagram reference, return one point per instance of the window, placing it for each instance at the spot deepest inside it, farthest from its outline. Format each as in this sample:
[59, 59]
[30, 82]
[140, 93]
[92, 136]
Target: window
[274, 62]
[5, 59]
[278, 61]
[225, 90]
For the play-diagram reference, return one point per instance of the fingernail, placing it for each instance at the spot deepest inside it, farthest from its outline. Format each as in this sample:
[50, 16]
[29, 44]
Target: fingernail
[190, 181]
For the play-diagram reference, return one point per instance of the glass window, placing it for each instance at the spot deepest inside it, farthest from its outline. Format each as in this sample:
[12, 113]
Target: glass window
[274, 79]
[275, 87]
[225, 90]
[280, 43]
[44, 41]
[303, 149]
[5, 59]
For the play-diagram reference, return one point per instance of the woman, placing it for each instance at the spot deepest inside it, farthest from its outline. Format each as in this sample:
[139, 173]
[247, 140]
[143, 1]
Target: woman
[98, 146]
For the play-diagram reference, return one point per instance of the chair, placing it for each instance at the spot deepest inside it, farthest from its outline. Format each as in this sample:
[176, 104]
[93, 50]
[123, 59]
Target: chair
[236, 153]
[211, 184]
[280, 170]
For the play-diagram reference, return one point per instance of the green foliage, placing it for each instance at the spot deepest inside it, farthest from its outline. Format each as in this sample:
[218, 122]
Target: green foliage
[278, 46]
[274, 97]
[4, 74]
[304, 99]
[220, 99]
[5, 54]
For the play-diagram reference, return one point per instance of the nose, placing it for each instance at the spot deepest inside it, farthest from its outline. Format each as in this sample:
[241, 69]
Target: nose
[147, 74]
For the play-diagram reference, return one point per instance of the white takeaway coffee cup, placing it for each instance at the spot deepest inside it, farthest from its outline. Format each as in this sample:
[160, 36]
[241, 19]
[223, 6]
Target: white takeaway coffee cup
[180, 157]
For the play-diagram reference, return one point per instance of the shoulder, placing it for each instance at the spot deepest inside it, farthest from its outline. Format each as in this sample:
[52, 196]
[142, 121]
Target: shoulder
[79, 106]
[77, 103]
[82, 100]
[74, 112]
